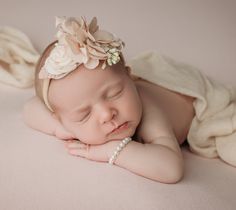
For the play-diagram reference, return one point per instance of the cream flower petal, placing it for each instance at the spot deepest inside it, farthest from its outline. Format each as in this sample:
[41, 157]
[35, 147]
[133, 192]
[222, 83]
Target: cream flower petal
[80, 36]
[117, 43]
[70, 26]
[74, 48]
[59, 61]
[95, 50]
[104, 64]
[81, 56]
[95, 46]
[64, 67]
[79, 21]
[59, 20]
[59, 35]
[92, 63]
[74, 27]
[93, 27]
[90, 36]
[103, 36]
[61, 40]
[84, 24]
[96, 53]
[71, 43]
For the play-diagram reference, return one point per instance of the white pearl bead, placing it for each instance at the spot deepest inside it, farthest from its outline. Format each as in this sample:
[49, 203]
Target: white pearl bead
[122, 144]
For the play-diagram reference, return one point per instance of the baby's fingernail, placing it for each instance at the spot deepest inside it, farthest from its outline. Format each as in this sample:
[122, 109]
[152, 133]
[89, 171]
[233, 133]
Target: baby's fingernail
[70, 145]
[70, 141]
[80, 146]
[73, 152]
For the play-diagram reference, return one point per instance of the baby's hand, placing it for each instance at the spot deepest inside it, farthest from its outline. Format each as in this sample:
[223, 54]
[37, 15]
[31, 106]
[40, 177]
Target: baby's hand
[61, 133]
[100, 153]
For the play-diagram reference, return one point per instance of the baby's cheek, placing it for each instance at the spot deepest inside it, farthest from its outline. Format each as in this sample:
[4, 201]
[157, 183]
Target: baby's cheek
[134, 109]
[72, 128]
[132, 103]
[87, 134]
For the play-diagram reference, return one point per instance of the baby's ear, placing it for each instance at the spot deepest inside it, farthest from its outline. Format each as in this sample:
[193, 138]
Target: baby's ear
[55, 115]
[128, 70]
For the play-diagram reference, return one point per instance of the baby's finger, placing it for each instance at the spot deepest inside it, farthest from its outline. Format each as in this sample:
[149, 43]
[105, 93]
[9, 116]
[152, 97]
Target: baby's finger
[75, 145]
[82, 152]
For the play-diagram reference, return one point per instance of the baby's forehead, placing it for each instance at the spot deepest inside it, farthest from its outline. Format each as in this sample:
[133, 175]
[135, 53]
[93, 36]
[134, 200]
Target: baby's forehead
[83, 83]
[87, 78]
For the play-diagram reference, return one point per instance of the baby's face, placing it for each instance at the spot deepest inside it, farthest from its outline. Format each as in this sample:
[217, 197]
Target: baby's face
[91, 103]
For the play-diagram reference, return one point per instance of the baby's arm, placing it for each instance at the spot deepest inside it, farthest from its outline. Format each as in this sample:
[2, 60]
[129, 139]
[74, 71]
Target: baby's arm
[154, 161]
[38, 117]
[160, 159]
[158, 162]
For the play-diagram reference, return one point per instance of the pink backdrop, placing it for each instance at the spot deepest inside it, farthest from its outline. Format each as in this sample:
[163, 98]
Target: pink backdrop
[200, 32]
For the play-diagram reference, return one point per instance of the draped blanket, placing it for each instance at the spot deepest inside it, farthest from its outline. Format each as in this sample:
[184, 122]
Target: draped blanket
[17, 58]
[213, 129]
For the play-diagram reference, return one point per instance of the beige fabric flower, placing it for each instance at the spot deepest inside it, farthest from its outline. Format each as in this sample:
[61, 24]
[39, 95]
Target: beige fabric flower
[61, 62]
[80, 43]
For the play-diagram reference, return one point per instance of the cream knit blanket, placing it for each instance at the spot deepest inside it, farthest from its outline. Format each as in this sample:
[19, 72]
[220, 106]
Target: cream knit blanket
[213, 130]
[17, 58]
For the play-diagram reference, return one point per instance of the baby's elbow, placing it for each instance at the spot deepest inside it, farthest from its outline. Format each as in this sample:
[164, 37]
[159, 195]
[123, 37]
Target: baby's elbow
[177, 173]
[177, 176]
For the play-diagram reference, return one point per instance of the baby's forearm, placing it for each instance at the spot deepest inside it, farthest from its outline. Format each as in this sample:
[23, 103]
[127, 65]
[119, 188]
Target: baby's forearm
[36, 116]
[152, 161]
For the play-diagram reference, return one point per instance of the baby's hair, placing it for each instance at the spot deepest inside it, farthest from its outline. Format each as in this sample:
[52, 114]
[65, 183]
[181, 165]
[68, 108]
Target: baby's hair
[41, 61]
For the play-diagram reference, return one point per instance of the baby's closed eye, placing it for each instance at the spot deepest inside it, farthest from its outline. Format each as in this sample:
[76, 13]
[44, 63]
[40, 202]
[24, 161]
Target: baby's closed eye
[84, 117]
[115, 93]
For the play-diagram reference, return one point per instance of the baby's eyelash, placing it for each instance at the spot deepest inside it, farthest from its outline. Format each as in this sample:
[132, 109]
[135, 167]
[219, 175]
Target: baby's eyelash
[116, 94]
[84, 117]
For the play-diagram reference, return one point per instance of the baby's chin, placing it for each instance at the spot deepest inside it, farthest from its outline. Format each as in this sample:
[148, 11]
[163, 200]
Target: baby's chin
[96, 140]
[104, 140]
[128, 132]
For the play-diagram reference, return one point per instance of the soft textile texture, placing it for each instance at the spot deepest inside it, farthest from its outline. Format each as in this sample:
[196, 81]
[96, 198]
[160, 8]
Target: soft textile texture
[37, 173]
[213, 129]
[17, 58]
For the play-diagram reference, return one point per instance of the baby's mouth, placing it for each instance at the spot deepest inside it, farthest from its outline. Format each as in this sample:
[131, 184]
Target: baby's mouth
[120, 128]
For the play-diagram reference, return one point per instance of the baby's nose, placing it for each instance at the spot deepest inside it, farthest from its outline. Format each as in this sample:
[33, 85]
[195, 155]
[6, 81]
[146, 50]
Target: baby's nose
[107, 114]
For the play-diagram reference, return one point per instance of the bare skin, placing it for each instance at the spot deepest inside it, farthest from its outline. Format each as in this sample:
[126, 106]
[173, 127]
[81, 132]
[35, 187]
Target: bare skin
[154, 154]
[177, 108]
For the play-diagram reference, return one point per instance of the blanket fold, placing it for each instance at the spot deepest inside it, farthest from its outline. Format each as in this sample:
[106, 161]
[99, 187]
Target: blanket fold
[213, 129]
[17, 58]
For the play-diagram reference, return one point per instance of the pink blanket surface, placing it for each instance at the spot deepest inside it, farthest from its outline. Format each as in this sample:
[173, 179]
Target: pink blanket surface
[36, 172]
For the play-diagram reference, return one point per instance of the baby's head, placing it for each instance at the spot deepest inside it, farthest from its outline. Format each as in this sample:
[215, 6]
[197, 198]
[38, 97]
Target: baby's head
[90, 99]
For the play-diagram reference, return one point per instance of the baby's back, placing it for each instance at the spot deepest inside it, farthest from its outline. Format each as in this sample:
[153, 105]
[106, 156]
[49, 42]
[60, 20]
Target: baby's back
[177, 108]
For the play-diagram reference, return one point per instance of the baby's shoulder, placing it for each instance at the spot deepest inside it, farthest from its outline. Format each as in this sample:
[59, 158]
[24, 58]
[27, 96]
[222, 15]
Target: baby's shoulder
[154, 122]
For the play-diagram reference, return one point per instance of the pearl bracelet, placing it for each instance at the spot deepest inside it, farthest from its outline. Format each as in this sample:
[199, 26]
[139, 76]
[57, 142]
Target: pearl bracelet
[122, 144]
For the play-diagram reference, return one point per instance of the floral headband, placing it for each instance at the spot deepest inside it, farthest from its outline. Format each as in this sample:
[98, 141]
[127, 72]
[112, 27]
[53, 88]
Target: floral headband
[78, 43]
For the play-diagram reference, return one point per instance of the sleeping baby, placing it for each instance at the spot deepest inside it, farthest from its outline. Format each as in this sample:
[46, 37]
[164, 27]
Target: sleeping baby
[87, 94]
